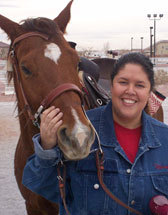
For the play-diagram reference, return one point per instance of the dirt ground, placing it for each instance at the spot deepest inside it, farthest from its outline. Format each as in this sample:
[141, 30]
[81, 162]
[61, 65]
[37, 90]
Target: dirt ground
[11, 202]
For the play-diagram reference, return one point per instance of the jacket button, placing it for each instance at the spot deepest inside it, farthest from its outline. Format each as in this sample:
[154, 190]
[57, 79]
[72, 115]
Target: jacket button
[128, 171]
[132, 202]
[96, 186]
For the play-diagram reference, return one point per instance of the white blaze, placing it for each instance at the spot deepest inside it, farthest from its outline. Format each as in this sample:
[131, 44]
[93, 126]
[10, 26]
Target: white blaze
[80, 130]
[53, 52]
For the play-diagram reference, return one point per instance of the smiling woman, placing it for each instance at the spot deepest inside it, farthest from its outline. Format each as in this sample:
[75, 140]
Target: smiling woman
[130, 93]
[132, 82]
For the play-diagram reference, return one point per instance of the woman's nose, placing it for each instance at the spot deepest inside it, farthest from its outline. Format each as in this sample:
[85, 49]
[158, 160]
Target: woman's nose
[130, 89]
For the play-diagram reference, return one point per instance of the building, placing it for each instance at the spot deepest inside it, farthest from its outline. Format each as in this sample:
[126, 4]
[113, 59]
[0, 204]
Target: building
[3, 50]
[161, 49]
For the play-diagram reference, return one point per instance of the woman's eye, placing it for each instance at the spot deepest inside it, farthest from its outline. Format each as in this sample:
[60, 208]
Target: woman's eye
[123, 82]
[140, 85]
[26, 70]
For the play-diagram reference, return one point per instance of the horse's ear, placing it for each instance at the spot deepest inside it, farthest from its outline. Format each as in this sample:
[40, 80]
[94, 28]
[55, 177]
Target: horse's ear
[12, 29]
[64, 17]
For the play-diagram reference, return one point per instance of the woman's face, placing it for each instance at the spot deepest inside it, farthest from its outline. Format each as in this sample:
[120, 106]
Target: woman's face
[130, 92]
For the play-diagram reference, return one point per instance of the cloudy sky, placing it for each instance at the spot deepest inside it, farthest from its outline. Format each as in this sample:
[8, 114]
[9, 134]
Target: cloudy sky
[97, 23]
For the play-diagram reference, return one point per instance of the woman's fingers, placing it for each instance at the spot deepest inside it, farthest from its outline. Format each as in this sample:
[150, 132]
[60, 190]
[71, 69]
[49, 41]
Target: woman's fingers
[55, 120]
[49, 113]
[51, 119]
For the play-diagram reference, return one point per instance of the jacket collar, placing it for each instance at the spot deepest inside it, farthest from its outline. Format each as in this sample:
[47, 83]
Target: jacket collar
[107, 132]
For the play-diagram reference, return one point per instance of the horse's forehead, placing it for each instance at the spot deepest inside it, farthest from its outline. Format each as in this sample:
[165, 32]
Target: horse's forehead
[52, 51]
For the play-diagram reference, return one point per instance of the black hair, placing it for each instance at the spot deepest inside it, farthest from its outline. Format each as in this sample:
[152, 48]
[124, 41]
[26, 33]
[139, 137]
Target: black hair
[135, 58]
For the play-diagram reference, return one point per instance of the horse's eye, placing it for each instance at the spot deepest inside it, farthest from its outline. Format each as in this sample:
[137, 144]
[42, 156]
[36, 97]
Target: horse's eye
[25, 70]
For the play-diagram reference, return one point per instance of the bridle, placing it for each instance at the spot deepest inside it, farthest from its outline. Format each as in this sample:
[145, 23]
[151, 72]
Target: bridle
[45, 104]
[52, 95]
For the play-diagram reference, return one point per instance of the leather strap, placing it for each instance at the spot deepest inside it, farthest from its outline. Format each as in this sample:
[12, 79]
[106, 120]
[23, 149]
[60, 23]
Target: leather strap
[16, 69]
[62, 180]
[100, 169]
[58, 91]
[13, 58]
[29, 34]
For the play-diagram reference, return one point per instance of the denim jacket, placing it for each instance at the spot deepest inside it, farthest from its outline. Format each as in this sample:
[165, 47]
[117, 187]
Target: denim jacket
[135, 184]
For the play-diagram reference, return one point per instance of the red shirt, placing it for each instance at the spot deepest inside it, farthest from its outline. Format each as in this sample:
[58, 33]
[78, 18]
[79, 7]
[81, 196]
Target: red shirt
[128, 140]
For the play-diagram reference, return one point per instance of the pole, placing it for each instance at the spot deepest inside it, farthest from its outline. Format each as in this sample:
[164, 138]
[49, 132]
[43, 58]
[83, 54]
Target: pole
[131, 44]
[152, 44]
[151, 41]
[141, 44]
[154, 18]
[154, 40]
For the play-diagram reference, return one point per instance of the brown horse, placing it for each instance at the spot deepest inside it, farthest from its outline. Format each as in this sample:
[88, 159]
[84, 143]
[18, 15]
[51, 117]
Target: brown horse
[44, 69]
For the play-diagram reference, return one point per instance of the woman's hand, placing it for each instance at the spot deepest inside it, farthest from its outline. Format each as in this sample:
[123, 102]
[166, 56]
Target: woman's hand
[50, 122]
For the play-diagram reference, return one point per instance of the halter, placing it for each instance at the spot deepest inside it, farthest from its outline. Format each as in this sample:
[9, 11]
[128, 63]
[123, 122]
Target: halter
[52, 95]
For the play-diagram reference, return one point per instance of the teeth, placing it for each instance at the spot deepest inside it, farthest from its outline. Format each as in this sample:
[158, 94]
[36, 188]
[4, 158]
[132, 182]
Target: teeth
[128, 101]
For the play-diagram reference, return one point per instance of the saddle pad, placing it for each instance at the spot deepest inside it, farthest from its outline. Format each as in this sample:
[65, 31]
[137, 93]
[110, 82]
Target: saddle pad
[155, 101]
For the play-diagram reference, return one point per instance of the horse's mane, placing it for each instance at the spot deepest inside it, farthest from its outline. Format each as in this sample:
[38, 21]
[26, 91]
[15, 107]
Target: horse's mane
[40, 24]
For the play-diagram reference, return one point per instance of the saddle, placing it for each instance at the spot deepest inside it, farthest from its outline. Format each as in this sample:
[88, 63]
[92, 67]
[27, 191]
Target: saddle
[94, 94]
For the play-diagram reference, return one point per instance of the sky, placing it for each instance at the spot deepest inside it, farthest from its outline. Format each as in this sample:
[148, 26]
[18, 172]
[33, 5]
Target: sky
[97, 24]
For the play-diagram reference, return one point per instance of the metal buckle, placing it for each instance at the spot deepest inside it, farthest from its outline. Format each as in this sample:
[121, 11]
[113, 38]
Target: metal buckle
[37, 116]
[59, 178]
[99, 101]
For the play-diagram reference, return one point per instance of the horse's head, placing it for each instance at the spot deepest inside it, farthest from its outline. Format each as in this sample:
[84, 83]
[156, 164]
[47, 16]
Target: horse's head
[43, 62]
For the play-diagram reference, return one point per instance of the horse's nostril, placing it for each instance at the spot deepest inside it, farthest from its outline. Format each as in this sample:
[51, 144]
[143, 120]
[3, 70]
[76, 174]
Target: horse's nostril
[63, 135]
[63, 131]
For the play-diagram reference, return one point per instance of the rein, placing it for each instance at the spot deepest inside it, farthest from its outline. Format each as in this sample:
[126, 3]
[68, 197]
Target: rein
[52, 95]
[100, 169]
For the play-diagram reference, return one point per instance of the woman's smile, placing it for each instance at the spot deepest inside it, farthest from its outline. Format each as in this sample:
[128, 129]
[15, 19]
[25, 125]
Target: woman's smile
[128, 102]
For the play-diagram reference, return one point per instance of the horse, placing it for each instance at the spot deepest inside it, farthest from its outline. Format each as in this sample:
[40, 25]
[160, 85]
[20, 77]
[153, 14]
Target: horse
[43, 67]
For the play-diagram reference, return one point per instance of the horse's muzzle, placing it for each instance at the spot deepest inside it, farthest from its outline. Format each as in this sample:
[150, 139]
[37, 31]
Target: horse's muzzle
[75, 145]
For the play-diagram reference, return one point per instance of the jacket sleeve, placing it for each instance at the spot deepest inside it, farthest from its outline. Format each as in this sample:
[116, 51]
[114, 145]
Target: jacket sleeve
[40, 172]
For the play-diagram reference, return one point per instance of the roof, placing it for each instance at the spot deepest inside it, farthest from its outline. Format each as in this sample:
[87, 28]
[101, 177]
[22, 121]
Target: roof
[159, 42]
[162, 41]
[4, 45]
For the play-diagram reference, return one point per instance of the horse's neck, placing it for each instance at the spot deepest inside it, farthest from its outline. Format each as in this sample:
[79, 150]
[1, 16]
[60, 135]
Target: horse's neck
[27, 130]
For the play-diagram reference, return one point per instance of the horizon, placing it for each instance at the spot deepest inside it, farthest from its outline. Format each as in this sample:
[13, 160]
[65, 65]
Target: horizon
[93, 24]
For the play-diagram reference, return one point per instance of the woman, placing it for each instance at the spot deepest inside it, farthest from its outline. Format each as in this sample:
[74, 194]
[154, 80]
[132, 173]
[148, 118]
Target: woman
[135, 150]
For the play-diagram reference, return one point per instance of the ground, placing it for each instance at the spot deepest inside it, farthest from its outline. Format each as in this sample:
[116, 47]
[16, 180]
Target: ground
[11, 202]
